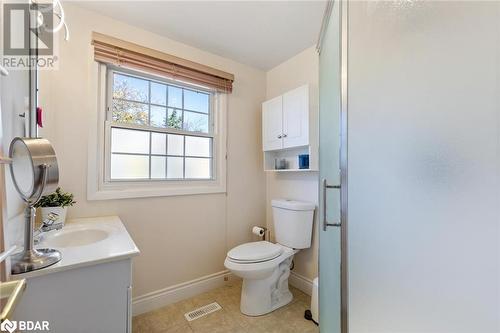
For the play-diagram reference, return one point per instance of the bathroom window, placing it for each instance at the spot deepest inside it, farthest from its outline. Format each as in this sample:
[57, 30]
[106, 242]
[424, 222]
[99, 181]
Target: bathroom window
[160, 137]
[158, 130]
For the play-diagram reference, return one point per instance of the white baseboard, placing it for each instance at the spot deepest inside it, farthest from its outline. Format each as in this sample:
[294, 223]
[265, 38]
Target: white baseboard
[163, 297]
[301, 282]
[176, 293]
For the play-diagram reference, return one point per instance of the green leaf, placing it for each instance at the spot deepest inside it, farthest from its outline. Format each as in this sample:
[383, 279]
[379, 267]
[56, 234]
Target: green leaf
[56, 199]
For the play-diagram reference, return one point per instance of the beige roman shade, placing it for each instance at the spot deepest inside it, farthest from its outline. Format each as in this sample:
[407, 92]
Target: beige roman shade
[114, 51]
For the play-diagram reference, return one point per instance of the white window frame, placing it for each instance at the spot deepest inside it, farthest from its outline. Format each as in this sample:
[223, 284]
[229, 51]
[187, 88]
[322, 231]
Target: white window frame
[100, 187]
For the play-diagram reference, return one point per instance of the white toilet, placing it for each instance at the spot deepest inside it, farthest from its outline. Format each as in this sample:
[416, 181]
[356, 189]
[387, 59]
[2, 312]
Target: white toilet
[264, 266]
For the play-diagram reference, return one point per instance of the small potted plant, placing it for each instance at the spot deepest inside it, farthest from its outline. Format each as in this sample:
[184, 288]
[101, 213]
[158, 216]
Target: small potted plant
[58, 203]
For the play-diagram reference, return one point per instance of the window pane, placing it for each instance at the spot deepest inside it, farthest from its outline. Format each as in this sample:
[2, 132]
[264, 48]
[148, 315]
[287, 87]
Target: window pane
[129, 141]
[139, 153]
[129, 166]
[174, 119]
[158, 167]
[196, 101]
[195, 122]
[131, 88]
[175, 167]
[158, 116]
[175, 97]
[196, 146]
[198, 168]
[158, 143]
[130, 112]
[158, 93]
[175, 144]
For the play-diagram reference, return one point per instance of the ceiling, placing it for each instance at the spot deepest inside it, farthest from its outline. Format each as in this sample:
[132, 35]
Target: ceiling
[261, 34]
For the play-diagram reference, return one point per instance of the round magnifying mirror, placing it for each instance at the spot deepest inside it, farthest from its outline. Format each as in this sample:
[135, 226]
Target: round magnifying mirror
[34, 172]
[30, 158]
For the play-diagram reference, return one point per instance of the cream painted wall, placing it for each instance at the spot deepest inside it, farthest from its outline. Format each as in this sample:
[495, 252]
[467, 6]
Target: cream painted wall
[14, 97]
[301, 69]
[181, 238]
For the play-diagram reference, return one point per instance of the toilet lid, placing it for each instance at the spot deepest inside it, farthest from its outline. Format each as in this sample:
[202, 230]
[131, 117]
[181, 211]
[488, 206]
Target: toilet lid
[255, 252]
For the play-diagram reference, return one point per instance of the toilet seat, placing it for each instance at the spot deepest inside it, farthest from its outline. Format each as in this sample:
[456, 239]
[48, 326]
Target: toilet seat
[256, 270]
[254, 252]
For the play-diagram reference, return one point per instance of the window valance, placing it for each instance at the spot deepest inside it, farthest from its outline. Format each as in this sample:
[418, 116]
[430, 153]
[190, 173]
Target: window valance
[114, 51]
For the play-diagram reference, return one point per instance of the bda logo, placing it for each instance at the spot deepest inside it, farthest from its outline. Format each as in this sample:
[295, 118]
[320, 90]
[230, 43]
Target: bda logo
[8, 326]
[24, 325]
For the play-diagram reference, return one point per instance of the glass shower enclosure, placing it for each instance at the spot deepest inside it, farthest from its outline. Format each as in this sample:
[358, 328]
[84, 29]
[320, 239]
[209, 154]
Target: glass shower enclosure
[413, 88]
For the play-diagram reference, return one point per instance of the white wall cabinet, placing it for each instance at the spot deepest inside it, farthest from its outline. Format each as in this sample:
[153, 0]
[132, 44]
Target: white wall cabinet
[289, 129]
[285, 120]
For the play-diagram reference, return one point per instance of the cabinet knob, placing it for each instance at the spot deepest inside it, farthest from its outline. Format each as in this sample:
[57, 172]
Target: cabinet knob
[280, 136]
[284, 135]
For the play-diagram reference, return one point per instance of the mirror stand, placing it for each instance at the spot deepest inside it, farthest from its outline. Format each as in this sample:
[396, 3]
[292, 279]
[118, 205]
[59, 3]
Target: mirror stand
[32, 259]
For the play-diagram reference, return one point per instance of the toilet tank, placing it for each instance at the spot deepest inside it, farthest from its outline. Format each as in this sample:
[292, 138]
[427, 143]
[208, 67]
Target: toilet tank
[293, 221]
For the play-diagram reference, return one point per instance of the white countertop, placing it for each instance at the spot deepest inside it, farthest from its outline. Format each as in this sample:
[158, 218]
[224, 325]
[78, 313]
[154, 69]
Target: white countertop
[116, 246]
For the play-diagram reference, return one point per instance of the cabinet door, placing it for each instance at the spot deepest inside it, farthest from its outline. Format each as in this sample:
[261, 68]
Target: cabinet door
[94, 307]
[272, 120]
[296, 117]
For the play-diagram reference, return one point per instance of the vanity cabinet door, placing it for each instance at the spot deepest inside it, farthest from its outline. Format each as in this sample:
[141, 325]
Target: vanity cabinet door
[95, 298]
[296, 117]
[272, 124]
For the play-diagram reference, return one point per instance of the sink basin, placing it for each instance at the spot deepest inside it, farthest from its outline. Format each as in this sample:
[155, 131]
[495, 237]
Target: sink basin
[71, 238]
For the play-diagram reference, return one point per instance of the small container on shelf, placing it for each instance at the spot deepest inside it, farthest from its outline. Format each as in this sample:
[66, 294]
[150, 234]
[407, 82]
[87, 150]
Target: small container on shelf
[280, 164]
[304, 161]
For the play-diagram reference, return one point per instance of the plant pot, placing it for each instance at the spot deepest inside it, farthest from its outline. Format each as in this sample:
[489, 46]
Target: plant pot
[61, 211]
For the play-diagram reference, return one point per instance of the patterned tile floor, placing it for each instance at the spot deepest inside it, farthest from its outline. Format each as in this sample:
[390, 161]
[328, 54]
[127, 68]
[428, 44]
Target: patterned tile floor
[170, 319]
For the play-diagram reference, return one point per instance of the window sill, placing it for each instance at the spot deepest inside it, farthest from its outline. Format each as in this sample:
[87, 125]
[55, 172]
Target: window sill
[128, 192]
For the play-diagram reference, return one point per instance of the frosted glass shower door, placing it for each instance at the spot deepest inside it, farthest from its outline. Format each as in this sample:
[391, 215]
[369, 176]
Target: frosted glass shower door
[329, 243]
[423, 160]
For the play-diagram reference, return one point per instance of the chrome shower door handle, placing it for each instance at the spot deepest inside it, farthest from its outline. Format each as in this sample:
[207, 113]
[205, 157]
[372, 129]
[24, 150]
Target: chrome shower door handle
[326, 186]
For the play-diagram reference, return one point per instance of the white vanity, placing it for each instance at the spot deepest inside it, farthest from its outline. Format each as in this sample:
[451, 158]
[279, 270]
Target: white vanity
[90, 289]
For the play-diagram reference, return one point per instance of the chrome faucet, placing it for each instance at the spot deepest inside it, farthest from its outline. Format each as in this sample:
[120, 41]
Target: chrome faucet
[47, 225]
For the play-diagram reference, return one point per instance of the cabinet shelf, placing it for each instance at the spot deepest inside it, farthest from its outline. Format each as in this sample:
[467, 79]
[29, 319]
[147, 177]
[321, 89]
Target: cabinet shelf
[291, 170]
[291, 155]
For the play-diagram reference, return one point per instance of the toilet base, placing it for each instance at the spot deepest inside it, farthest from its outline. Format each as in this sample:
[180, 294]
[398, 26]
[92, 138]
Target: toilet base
[261, 296]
